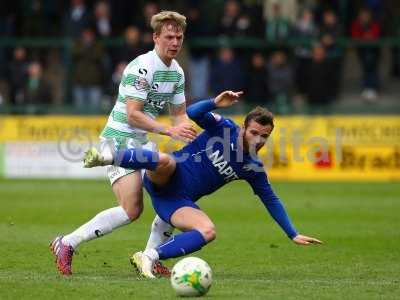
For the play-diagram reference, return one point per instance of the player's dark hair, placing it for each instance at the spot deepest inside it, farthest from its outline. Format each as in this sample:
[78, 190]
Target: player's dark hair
[260, 115]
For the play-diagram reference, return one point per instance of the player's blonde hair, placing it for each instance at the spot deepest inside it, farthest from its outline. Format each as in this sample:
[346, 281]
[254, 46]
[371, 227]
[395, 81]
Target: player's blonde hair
[168, 17]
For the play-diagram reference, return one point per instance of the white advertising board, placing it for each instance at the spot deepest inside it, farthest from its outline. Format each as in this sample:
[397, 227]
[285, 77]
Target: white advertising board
[46, 160]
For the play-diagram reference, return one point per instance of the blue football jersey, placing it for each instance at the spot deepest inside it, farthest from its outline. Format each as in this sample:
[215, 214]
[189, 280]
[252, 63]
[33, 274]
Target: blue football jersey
[214, 159]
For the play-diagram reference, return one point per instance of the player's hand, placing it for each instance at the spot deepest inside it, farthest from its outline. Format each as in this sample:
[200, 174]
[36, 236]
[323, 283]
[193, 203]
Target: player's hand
[305, 240]
[227, 98]
[183, 132]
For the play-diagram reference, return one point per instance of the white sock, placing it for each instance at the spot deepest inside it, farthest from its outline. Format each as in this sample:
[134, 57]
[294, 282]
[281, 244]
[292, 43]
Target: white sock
[106, 150]
[152, 254]
[103, 223]
[160, 232]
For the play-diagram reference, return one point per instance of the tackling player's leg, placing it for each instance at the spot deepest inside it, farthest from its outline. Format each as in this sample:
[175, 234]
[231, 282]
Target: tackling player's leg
[163, 167]
[128, 190]
[159, 166]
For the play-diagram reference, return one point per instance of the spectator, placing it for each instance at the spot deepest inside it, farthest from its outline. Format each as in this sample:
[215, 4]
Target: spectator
[34, 19]
[103, 29]
[305, 28]
[256, 80]
[289, 9]
[54, 74]
[76, 18]
[149, 9]
[199, 62]
[280, 81]
[226, 72]
[18, 74]
[278, 26]
[254, 10]
[330, 31]
[230, 16]
[131, 48]
[102, 19]
[36, 89]
[306, 31]
[237, 22]
[364, 28]
[319, 77]
[88, 75]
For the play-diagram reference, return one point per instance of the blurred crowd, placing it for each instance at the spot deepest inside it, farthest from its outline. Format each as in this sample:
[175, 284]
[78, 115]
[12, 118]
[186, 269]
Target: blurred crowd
[87, 74]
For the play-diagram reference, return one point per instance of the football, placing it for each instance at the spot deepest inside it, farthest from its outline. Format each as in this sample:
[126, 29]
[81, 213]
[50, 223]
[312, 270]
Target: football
[191, 276]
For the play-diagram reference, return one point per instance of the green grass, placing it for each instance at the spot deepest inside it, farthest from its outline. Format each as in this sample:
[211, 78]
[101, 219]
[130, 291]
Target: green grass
[251, 258]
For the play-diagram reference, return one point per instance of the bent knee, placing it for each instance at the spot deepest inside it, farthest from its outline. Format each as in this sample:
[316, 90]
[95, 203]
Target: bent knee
[133, 211]
[209, 232]
[164, 161]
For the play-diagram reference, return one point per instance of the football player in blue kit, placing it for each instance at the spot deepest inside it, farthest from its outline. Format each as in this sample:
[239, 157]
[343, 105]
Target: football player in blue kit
[222, 153]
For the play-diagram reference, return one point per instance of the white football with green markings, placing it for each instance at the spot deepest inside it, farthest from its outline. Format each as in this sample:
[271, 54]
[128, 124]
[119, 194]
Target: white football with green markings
[191, 276]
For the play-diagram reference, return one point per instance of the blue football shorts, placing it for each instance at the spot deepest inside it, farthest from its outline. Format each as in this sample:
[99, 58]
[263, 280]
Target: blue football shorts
[167, 200]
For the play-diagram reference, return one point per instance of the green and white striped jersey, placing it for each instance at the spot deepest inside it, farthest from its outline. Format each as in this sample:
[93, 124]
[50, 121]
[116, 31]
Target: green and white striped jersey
[146, 79]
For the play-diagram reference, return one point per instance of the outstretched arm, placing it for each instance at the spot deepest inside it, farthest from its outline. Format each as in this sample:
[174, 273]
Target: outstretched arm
[275, 207]
[200, 112]
[277, 211]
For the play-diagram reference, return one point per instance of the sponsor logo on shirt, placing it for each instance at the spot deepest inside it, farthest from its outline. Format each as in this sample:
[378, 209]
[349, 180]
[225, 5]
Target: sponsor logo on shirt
[154, 87]
[158, 104]
[140, 84]
[143, 71]
[222, 166]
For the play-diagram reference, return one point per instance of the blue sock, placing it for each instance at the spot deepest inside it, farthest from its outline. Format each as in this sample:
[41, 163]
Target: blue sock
[137, 158]
[181, 244]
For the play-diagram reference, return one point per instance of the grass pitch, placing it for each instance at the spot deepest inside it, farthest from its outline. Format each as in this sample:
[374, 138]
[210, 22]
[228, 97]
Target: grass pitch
[251, 258]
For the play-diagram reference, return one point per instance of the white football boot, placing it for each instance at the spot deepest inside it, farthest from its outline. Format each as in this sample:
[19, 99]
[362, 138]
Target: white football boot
[143, 264]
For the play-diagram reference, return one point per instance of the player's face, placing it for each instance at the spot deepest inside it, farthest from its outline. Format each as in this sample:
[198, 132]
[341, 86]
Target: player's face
[168, 42]
[255, 136]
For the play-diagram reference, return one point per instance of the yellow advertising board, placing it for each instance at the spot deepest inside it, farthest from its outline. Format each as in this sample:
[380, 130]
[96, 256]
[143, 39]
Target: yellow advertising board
[310, 148]
[48, 128]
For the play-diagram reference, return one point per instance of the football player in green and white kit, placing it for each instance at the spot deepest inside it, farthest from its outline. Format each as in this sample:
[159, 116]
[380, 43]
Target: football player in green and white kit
[149, 82]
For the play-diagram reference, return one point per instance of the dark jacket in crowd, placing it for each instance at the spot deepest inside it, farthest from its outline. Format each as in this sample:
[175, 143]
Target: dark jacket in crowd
[320, 76]
[256, 84]
[88, 61]
[280, 78]
[37, 91]
[224, 76]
